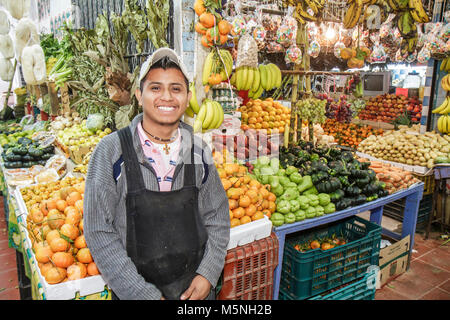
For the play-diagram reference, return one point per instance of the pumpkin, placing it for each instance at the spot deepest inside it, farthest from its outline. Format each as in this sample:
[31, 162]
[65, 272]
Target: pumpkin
[92, 269]
[70, 231]
[59, 245]
[80, 242]
[73, 197]
[55, 219]
[43, 254]
[84, 255]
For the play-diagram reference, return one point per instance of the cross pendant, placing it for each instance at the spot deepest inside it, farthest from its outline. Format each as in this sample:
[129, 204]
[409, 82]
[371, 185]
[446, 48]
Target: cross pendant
[166, 148]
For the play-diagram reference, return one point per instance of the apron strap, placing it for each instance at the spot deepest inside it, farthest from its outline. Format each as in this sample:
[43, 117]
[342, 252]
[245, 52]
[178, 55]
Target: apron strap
[189, 170]
[135, 181]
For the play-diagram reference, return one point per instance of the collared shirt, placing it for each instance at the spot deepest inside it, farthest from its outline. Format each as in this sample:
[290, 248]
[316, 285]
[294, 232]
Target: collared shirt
[164, 164]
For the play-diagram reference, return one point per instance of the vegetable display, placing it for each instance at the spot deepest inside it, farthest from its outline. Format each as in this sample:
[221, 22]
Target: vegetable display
[324, 243]
[26, 153]
[407, 147]
[349, 134]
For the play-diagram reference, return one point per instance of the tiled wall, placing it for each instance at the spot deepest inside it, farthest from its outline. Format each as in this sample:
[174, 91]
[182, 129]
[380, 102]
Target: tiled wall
[188, 35]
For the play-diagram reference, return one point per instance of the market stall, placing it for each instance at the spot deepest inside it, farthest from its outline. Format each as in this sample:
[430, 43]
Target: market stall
[314, 112]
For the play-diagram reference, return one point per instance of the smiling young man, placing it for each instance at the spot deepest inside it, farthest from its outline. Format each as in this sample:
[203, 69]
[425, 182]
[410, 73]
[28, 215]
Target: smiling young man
[156, 214]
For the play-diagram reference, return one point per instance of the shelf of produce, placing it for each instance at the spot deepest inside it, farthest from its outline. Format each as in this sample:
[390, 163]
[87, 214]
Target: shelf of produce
[413, 195]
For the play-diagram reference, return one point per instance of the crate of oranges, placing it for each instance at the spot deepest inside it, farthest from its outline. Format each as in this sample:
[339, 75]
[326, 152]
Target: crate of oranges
[54, 228]
[266, 114]
[251, 204]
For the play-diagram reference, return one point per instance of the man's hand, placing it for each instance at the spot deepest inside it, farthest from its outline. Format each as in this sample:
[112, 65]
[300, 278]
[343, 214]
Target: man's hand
[198, 290]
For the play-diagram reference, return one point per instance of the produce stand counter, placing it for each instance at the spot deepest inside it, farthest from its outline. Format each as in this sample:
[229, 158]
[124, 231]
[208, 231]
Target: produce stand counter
[413, 196]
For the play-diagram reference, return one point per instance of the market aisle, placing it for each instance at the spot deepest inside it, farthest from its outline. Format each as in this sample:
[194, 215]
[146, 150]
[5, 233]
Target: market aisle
[9, 289]
[428, 277]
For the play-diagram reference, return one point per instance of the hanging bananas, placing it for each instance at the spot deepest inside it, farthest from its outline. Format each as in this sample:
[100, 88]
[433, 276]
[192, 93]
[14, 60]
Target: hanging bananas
[306, 10]
[216, 71]
[353, 13]
[445, 65]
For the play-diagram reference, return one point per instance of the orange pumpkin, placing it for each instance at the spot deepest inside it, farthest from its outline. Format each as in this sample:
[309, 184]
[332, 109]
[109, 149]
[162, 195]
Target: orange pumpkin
[84, 255]
[70, 231]
[80, 242]
[76, 271]
[55, 275]
[59, 245]
[92, 269]
[73, 197]
[62, 259]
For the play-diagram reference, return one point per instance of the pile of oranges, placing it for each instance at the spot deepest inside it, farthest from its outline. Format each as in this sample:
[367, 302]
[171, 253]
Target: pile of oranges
[248, 199]
[264, 114]
[213, 29]
[55, 228]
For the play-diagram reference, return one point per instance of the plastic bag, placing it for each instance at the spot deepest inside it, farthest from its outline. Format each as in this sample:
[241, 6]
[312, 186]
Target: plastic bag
[314, 49]
[247, 55]
[238, 26]
[378, 55]
[293, 55]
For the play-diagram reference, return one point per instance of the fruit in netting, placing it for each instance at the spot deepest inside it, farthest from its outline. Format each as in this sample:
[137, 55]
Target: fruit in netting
[55, 275]
[62, 259]
[70, 231]
[346, 53]
[80, 242]
[76, 271]
[199, 7]
[59, 245]
[224, 27]
[73, 197]
[92, 269]
[200, 28]
[207, 19]
[84, 255]
[205, 42]
[43, 254]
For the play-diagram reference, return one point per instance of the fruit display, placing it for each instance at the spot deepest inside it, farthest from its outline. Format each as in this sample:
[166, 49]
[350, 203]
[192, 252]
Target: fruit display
[256, 80]
[312, 110]
[356, 57]
[334, 172]
[353, 13]
[406, 147]
[443, 123]
[212, 28]
[385, 108]
[339, 110]
[218, 67]
[395, 179]
[210, 116]
[264, 114]
[349, 134]
[13, 133]
[247, 145]
[445, 65]
[55, 230]
[248, 199]
[26, 153]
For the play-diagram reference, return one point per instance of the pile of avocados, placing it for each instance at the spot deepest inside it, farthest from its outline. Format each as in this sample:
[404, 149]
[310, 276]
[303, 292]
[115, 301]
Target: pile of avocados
[25, 153]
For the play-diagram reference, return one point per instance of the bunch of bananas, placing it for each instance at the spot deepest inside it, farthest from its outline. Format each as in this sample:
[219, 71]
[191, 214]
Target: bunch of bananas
[445, 82]
[210, 116]
[445, 65]
[353, 13]
[214, 70]
[444, 108]
[193, 107]
[303, 6]
[417, 11]
[443, 124]
[256, 80]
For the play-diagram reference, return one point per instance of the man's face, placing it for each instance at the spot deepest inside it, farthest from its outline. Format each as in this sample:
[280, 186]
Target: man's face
[164, 97]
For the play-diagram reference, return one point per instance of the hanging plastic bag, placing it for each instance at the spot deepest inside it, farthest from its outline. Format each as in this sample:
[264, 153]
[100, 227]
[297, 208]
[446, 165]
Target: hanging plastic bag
[424, 55]
[314, 49]
[378, 55]
[293, 55]
[247, 54]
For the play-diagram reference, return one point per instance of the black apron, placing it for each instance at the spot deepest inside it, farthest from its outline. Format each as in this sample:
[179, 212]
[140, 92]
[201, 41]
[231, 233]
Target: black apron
[165, 234]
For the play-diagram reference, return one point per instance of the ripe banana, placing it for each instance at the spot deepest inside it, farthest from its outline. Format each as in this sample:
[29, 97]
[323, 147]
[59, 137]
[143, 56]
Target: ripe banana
[256, 80]
[198, 123]
[233, 79]
[258, 93]
[189, 112]
[446, 110]
[193, 103]
[218, 116]
[445, 83]
[210, 114]
[264, 77]
[443, 106]
[276, 75]
[207, 67]
[443, 124]
[418, 12]
[353, 14]
[250, 77]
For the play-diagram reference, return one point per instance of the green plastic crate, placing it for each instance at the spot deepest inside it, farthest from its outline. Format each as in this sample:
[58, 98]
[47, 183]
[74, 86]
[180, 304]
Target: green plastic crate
[360, 289]
[306, 274]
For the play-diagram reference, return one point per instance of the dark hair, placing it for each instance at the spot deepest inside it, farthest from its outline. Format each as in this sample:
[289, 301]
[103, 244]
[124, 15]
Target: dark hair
[164, 63]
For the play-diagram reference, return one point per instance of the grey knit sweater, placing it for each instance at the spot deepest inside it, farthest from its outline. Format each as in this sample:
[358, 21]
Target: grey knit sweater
[105, 212]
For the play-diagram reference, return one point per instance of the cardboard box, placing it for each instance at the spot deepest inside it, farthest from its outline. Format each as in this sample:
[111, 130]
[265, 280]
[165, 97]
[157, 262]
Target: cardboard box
[393, 260]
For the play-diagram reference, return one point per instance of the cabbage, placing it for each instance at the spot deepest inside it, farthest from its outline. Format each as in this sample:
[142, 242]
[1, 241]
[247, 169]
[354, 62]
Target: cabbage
[6, 69]
[95, 122]
[4, 22]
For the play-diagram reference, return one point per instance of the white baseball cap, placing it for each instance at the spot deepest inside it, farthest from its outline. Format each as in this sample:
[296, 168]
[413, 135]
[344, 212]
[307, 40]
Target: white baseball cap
[158, 55]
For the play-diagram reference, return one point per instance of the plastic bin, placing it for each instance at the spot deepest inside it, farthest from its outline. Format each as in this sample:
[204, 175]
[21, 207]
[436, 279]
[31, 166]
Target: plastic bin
[396, 209]
[306, 274]
[248, 271]
[360, 289]
[429, 183]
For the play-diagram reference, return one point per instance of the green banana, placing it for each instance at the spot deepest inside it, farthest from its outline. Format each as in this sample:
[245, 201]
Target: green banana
[207, 68]
[264, 77]
[193, 103]
[256, 80]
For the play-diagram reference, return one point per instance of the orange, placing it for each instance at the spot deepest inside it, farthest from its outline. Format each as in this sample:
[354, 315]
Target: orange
[224, 27]
[250, 210]
[43, 254]
[59, 245]
[200, 28]
[244, 201]
[62, 259]
[234, 222]
[233, 204]
[199, 7]
[238, 212]
[84, 255]
[61, 205]
[207, 19]
[80, 242]
[258, 215]
[76, 271]
[231, 214]
[55, 275]
[72, 198]
[272, 207]
[70, 231]
[245, 219]
[226, 184]
[92, 269]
